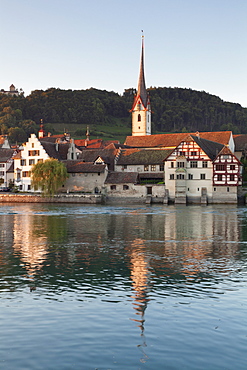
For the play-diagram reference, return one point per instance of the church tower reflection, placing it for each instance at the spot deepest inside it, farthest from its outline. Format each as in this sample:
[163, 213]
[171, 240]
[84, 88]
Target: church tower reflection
[140, 276]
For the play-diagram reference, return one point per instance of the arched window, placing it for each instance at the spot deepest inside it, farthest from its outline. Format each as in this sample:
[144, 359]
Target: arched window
[139, 118]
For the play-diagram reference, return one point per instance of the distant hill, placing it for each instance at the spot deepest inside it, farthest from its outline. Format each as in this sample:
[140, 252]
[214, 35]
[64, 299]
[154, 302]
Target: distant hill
[174, 110]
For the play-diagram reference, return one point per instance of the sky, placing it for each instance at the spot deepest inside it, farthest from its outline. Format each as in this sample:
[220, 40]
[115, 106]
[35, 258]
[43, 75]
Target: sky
[79, 44]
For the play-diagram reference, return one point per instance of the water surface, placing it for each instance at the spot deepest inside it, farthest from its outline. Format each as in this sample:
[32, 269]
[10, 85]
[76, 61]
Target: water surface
[123, 287]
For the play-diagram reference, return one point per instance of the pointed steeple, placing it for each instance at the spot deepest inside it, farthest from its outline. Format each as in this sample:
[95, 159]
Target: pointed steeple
[141, 109]
[142, 92]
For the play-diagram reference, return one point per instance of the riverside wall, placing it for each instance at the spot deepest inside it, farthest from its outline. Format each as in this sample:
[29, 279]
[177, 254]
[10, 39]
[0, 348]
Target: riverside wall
[61, 198]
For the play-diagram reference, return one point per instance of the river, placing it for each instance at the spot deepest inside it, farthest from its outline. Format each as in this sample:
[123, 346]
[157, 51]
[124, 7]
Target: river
[123, 287]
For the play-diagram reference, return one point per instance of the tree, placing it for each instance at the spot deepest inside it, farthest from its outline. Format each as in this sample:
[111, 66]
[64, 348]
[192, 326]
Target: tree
[48, 176]
[17, 134]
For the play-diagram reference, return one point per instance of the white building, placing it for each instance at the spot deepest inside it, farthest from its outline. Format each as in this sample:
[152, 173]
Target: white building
[33, 152]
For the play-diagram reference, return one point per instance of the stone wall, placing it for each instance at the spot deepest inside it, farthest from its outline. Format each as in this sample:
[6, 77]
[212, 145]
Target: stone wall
[63, 198]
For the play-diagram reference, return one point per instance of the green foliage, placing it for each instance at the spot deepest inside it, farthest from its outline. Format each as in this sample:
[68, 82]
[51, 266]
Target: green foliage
[17, 135]
[244, 173]
[48, 176]
[174, 110]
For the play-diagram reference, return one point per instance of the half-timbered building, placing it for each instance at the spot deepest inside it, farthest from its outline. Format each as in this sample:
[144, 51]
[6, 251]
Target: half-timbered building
[191, 175]
[226, 176]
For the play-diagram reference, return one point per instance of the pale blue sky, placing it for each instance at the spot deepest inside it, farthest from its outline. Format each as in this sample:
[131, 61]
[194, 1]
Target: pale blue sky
[78, 44]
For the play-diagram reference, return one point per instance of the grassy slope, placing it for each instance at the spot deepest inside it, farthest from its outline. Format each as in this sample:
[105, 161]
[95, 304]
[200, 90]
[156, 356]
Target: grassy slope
[113, 132]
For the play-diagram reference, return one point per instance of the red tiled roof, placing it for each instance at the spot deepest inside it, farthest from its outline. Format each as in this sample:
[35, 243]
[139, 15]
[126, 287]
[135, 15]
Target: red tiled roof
[173, 140]
[95, 143]
[75, 166]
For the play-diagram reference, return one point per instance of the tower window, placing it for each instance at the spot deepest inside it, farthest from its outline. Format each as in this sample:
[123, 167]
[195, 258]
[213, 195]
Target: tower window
[139, 118]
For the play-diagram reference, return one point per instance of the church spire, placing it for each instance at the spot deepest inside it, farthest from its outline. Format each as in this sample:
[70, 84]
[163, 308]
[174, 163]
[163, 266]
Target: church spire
[141, 109]
[142, 92]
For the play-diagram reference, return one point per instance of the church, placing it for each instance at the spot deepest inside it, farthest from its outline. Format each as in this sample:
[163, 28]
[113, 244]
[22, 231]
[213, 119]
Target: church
[180, 167]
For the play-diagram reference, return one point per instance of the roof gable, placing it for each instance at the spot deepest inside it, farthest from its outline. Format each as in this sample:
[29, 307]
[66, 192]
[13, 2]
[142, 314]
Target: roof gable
[227, 151]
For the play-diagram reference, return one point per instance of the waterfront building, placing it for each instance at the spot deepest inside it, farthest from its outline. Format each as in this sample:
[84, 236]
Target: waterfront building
[6, 166]
[35, 151]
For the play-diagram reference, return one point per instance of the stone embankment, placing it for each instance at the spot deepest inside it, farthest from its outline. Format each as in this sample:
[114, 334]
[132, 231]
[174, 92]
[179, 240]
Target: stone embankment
[60, 198]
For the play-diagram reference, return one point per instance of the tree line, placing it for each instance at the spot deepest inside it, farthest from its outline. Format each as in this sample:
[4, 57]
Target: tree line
[174, 110]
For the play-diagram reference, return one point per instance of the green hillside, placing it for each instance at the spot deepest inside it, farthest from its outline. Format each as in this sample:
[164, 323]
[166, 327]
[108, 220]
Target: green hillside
[107, 113]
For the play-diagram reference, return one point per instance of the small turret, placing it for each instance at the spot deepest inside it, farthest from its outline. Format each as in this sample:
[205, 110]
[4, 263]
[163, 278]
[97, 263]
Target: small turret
[41, 132]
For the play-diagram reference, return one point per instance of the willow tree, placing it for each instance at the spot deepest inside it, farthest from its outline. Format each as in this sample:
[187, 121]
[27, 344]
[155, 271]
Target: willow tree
[48, 176]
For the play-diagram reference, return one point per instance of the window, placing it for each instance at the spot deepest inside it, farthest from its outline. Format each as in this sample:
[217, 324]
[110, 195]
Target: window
[193, 154]
[214, 189]
[225, 156]
[31, 162]
[73, 174]
[139, 118]
[228, 190]
[1, 164]
[23, 162]
[32, 145]
[162, 167]
[125, 187]
[182, 153]
[172, 164]
[153, 167]
[190, 176]
[32, 153]
[204, 164]
[232, 167]
[25, 174]
[180, 176]
[203, 176]
[98, 173]
[220, 167]
[193, 164]
[232, 177]
[172, 176]
[28, 187]
[1, 173]
[180, 164]
[219, 177]
[146, 167]
[113, 187]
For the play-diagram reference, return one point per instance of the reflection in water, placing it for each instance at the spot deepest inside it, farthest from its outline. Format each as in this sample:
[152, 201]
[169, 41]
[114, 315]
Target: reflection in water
[139, 274]
[92, 257]
[30, 242]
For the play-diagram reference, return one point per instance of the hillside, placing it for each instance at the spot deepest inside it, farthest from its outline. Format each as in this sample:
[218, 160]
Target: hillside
[107, 113]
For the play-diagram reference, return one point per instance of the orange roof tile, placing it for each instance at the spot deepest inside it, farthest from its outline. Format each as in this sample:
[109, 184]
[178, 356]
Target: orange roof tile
[173, 140]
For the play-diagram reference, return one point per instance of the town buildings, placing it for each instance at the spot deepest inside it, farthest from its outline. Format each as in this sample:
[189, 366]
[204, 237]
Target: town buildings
[199, 167]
